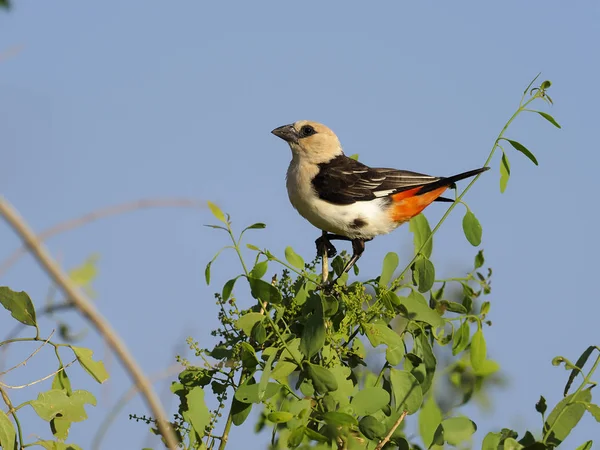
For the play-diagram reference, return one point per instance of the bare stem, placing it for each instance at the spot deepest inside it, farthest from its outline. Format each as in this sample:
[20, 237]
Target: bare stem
[394, 427]
[89, 311]
[325, 261]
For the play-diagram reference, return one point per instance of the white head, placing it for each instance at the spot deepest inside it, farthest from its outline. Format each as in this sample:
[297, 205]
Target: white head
[310, 141]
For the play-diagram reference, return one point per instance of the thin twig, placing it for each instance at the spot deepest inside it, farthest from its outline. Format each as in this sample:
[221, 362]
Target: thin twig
[324, 260]
[389, 435]
[100, 214]
[22, 363]
[37, 381]
[89, 311]
[13, 412]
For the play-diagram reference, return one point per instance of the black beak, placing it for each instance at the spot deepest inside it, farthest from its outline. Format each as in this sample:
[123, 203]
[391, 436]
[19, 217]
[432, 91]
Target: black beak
[287, 133]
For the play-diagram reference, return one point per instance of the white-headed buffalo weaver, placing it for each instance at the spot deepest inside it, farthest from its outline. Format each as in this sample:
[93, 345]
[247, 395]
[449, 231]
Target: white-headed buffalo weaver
[348, 200]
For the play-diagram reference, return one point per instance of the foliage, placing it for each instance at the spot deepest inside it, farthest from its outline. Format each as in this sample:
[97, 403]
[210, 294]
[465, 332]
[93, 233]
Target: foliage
[347, 366]
[60, 406]
[299, 355]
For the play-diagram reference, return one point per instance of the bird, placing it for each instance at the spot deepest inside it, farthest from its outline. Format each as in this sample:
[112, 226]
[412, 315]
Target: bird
[348, 200]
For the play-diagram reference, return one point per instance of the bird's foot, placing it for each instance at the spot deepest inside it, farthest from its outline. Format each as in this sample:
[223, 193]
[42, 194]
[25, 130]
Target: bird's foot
[324, 243]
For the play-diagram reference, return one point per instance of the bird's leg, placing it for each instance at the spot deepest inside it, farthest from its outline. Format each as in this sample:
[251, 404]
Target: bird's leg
[358, 247]
[324, 242]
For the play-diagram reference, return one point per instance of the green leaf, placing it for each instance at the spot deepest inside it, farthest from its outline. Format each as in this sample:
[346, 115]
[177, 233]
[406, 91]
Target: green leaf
[207, 272]
[259, 333]
[369, 400]
[228, 289]
[580, 363]
[425, 372]
[54, 445]
[407, 391]
[293, 258]
[479, 259]
[247, 322]
[217, 212]
[565, 415]
[295, 438]
[255, 226]
[331, 305]
[263, 291]
[585, 446]
[354, 156]
[372, 428]
[504, 172]
[84, 274]
[197, 412]
[424, 273]
[512, 444]
[61, 381]
[248, 357]
[491, 441]
[594, 410]
[453, 307]
[266, 374]
[95, 368]
[339, 419]
[421, 229]
[240, 411]
[382, 334]
[485, 308]
[549, 118]
[430, 416]
[259, 270]
[53, 402]
[478, 350]
[314, 435]
[19, 304]
[323, 379]
[457, 430]
[419, 310]
[472, 228]
[280, 417]
[488, 368]
[520, 147]
[313, 335]
[249, 393]
[8, 435]
[253, 247]
[60, 428]
[390, 263]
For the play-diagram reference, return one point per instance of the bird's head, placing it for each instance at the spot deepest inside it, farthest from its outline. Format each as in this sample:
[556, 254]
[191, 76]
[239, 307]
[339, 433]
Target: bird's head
[310, 141]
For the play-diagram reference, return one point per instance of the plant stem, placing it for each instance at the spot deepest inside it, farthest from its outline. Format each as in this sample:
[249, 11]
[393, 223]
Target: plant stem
[388, 436]
[267, 316]
[583, 384]
[89, 311]
[462, 194]
[229, 422]
[13, 412]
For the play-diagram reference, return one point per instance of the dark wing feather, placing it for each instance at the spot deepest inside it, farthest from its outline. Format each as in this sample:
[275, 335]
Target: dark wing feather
[345, 181]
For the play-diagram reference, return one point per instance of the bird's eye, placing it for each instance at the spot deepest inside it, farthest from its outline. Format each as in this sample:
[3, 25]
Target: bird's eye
[307, 130]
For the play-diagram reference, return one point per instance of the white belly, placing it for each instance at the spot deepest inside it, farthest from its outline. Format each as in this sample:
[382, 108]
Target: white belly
[338, 219]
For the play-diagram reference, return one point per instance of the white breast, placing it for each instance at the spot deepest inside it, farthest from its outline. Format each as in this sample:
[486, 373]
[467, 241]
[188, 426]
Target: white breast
[338, 219]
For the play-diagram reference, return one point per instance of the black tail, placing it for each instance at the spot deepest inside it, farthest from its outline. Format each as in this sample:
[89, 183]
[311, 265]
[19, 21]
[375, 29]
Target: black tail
[449, 181]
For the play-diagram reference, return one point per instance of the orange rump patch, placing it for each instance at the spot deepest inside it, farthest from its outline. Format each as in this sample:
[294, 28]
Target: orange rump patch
[406, 204]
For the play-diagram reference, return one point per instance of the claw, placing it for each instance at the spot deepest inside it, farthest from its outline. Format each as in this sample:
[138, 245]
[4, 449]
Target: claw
[323, 242]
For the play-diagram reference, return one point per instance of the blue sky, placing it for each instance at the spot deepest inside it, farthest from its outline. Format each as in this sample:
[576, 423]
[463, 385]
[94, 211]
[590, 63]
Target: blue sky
[105, 103]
